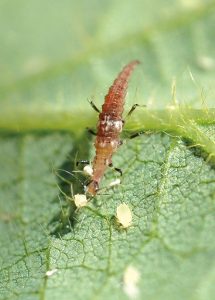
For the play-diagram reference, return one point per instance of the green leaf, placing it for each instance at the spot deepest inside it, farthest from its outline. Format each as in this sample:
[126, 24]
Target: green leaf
[55, 55]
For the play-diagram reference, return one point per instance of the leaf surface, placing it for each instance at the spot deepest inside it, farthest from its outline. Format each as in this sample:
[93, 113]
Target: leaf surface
[49, 67]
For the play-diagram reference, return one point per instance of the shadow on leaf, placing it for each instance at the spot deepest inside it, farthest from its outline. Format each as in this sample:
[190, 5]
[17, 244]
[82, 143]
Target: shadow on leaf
[64, 221]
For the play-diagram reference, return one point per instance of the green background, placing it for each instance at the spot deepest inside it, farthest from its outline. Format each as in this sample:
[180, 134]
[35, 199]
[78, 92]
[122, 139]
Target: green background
[54, 55]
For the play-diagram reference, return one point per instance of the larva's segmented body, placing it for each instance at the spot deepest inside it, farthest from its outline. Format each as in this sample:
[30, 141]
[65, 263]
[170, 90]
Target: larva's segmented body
[109, 126]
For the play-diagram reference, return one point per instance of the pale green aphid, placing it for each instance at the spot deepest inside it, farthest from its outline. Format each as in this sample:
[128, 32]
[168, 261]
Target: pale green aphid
[124, 215]
[80, 200]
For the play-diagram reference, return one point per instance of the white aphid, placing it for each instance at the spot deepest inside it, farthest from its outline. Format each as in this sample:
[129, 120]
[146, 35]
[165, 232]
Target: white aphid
[124, 215]
[130, 281]
[88, 170]
[115, 182]
[51, 272]
[80, 200]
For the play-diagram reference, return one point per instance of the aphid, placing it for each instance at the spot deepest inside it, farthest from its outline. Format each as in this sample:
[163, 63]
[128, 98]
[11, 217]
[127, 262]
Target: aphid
[115, 182]
[80, 200]
[109, 126]
[130, 282]
[124, 215]
[88, 170]
[51, 272]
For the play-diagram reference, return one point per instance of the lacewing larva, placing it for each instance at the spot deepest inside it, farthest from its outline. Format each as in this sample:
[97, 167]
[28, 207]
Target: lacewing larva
[109, 127]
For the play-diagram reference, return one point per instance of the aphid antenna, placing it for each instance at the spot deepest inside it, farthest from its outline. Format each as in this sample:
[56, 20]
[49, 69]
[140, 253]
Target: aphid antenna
[63, 179]
[71, 190]
[70, 173]
[67, 181]
[68, 198]
[47, 233]
[61, 204]
[75, 160]
[76, 171]
[70, 225]
[63, 193]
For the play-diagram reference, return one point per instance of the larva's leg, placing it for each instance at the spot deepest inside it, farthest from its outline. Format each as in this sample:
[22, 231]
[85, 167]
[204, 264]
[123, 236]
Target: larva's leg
[88, 182]
[133, 108]
[91, 131]
[94, 106]
[116, 169]
[136, 134]
[147, 132]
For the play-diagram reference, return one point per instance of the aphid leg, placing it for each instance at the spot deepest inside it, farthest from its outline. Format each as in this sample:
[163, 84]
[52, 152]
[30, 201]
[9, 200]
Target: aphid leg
[91, 131]
[116, 169]
[94, 106]
[84, 162]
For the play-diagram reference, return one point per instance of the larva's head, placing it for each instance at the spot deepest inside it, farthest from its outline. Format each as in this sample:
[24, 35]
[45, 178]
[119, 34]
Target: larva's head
[92, 188]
